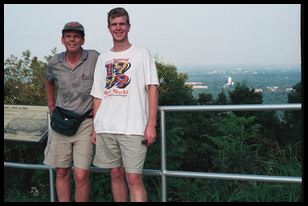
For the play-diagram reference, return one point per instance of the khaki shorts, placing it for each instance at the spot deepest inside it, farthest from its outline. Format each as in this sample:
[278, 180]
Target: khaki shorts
[62, 150]
[118, 150]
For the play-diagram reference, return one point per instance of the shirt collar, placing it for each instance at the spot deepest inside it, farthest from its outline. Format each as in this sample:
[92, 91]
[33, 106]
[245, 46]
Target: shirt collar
[84, 55]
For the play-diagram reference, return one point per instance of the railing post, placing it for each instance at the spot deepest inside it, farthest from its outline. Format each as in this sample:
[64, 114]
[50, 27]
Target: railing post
[52, 186]
[163, 157]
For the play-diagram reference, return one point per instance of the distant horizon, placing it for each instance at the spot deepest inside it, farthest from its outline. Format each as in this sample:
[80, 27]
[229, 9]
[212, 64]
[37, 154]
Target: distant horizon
[242, 66]
[179, 34]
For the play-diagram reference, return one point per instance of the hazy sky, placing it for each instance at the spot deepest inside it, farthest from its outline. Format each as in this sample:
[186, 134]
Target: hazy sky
[180, 34]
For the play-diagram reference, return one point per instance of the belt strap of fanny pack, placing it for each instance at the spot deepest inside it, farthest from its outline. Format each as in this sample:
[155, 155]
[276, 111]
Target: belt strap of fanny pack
[87, 115]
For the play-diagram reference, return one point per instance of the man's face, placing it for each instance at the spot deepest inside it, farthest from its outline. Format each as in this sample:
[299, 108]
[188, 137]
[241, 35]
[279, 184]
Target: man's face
[119, 28]
[72, 41]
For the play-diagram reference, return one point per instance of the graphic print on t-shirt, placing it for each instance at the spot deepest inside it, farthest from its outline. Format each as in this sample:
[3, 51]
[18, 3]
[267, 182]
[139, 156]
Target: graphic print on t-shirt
[116, 78]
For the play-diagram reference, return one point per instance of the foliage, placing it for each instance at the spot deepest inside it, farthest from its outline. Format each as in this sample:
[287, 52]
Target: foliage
[172, 88]
[222, 98]
[296, 95]
[232, 146]
[244, 95]
[24, 79]
[205, 98]
[177, 148]
[100, 188]
[293, 119]
[25, 185]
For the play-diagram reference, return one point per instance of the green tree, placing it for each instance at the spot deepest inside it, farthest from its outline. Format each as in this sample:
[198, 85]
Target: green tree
[205, 98]
[38, 81]
[232, 148]
[172, 91]
[296, 94]
[244, 95]
[17, 75]
[172, 88]
[24, 79]
[53, 52]
[293, 120]
[271, 126]
[222, 98]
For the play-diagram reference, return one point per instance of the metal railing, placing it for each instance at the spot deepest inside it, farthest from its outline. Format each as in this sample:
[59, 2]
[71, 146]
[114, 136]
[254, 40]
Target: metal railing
[163, 172]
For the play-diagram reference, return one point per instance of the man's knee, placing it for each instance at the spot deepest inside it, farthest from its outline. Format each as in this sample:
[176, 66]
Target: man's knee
[134, 179]
[117, 173]
[80, 175]
[62, 172]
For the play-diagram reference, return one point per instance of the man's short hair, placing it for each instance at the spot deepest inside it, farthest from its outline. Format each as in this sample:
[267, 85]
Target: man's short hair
[117, 12]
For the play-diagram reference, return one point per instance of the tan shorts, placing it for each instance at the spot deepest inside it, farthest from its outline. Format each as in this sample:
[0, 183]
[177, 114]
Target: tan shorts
[62, 150]
[118, 150]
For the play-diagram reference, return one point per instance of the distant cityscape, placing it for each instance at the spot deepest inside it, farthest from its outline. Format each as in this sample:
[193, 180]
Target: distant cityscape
[274, 82]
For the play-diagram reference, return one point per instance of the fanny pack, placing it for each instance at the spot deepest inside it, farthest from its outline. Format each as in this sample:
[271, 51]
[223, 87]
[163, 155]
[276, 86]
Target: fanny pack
[66, 122]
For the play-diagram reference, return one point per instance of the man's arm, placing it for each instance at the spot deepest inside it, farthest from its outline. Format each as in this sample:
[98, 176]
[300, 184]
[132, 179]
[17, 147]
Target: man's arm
[96, 104]
[50, 91]
[150, 130]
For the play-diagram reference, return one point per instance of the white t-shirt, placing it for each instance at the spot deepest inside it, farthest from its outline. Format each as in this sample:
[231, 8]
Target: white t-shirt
[120, 81]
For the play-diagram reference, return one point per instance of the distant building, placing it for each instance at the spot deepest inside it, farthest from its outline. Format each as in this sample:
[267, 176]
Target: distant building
[196, 85]
[258, 90]
[229, 82]
[289, 89]
[200, 87]
[272, 88]
[193, 83]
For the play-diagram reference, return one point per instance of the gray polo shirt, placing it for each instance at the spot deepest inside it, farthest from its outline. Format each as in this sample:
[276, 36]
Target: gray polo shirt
[74, 85]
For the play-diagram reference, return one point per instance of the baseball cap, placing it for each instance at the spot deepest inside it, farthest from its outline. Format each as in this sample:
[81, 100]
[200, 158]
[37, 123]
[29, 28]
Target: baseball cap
[74, 25]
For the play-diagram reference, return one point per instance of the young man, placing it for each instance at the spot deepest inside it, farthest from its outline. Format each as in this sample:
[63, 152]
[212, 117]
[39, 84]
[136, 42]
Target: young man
[125, 108]
[73, 72]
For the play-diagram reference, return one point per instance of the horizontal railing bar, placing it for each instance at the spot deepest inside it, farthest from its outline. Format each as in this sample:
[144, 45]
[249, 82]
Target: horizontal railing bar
[92, 168]
[226, 176]
[238, 107]
[149, 172]
[26, 165]
[152, 172]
